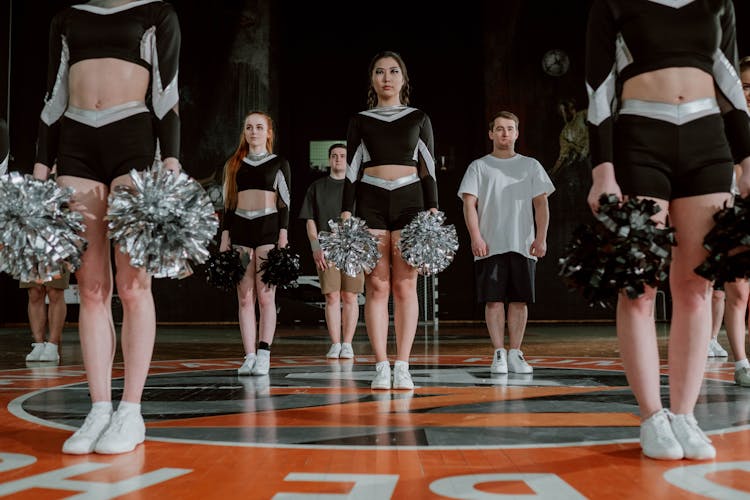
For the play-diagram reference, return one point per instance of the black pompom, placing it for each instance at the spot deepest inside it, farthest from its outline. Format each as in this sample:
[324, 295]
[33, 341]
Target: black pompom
[728, 244]
[281, 268]
[624, 250]
[225, 270]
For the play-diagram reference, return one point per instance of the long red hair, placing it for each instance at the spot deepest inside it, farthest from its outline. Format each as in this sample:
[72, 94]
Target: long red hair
[234, 162]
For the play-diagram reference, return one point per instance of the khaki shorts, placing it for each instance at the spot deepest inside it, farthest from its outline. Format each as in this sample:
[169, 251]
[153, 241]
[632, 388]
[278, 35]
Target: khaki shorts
[333, 280]
[60, 283]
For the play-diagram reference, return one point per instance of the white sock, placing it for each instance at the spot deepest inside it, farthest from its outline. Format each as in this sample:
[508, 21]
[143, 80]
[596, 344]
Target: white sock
[743, 363]
[127, 407]
[403, 364]
[104, 406]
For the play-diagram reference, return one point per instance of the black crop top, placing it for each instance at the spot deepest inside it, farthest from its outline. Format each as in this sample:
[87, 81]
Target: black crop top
[397, 135]
[144, 32]
[626, 38]
[272, 173]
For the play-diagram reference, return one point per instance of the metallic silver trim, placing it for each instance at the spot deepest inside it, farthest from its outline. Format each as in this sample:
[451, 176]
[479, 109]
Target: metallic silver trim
[390, 185]
[162, 98]
[728, 81]
[56, 102]
[623, 56]
[280, 184]
[112, 10]
[100, 117]
[388, 115]
[673, 3]
[678, 114]
[352, 170]
[428, 159]
[254, 163]
[254, 214]
[601, 100]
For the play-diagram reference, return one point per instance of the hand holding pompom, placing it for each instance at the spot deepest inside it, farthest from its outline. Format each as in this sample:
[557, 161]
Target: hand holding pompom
[350, 246]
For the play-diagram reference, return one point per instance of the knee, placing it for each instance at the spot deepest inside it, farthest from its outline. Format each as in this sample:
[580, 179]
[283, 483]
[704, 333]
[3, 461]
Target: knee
[93, 289]
[266, 299]
[333, 299]
[404, 290]
[36, 295]
[378, 290]
[132, 285]
[56, 296]
[737, 299]
[494, 306]
[691, 293]
[349, 299]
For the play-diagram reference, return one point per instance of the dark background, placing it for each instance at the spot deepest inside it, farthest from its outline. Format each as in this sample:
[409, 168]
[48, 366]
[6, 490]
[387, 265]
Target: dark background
[306, 63]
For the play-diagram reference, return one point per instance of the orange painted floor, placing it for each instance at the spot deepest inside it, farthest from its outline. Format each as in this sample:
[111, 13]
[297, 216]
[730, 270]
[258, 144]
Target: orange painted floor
[313, 429]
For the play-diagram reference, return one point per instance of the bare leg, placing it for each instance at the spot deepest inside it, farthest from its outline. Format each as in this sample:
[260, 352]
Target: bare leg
[333, 316]
[636, 336]
[518, 313]
[717, 312]
[350, 315]
[737, 293]
[405, 300]
[377, 290]
[95, 325]
[691, 322]
[56, 314]
[246, 301]
[494, 316]
[37, 310]
[266, 298]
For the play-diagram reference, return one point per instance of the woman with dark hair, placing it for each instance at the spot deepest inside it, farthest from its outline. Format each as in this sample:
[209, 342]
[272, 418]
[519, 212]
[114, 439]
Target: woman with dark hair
[667, 122]
[391, 175]
[256, 217]
[99, 121]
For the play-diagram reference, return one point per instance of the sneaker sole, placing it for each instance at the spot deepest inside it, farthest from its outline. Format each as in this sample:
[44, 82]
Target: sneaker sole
[118, 451]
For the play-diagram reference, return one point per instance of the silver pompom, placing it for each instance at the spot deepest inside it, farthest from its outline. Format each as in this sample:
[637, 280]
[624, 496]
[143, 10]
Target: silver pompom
[163, 222]
[427, 244]
[40, 236]
[350, 246]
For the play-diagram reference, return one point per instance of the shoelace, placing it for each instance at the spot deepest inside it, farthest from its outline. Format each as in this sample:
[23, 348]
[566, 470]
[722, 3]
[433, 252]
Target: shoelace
[693, 424]
[88, 422]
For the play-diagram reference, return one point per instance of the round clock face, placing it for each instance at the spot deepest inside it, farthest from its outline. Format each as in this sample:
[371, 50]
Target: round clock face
[555, 62]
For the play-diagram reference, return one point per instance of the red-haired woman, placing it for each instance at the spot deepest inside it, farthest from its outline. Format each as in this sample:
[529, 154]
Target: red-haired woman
[256, 217]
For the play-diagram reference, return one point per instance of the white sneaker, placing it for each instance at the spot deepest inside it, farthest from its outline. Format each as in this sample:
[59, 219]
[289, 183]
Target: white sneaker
[347, 352]
[715, 350]
[37, 348]
[126, 431]
[85, 438]
[657, 438]
[247, 365]
[50, 353]
[516, 363]
[334, 351]
[262, 362]
[402, 377]
[499, 361]
[382, 378]
[694, 442]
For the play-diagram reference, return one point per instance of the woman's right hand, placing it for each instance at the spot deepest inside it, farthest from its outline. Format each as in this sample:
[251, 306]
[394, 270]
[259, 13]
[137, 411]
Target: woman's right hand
[41, 171]
[345, 215]
[603, 182]
[225, 242]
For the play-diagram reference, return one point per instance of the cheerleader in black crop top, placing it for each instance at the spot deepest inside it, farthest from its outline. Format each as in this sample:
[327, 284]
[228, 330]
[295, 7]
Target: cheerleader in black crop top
[96, 132]
[666, 120]
[391, 175]
[257, 184]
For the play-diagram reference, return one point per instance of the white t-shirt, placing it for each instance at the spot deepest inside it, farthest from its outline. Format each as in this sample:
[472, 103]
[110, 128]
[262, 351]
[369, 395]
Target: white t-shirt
[504, 188]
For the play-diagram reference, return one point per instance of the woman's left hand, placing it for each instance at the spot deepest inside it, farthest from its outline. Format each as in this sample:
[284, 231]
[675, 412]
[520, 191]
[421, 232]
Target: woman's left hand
[172, 164]
[283, 241]
[743, 182]
[433, 210]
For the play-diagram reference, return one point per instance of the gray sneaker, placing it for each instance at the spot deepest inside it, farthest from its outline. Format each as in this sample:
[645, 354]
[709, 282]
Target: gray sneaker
[742, 377]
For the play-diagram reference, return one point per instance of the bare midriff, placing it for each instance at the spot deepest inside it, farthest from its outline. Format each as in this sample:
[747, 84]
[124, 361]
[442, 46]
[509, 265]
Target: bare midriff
[390, 172]
[255, 199]
[670, 85]
[107, 82]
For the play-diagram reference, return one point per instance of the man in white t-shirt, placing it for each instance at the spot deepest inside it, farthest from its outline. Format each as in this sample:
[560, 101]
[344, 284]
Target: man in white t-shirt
[505, 207]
